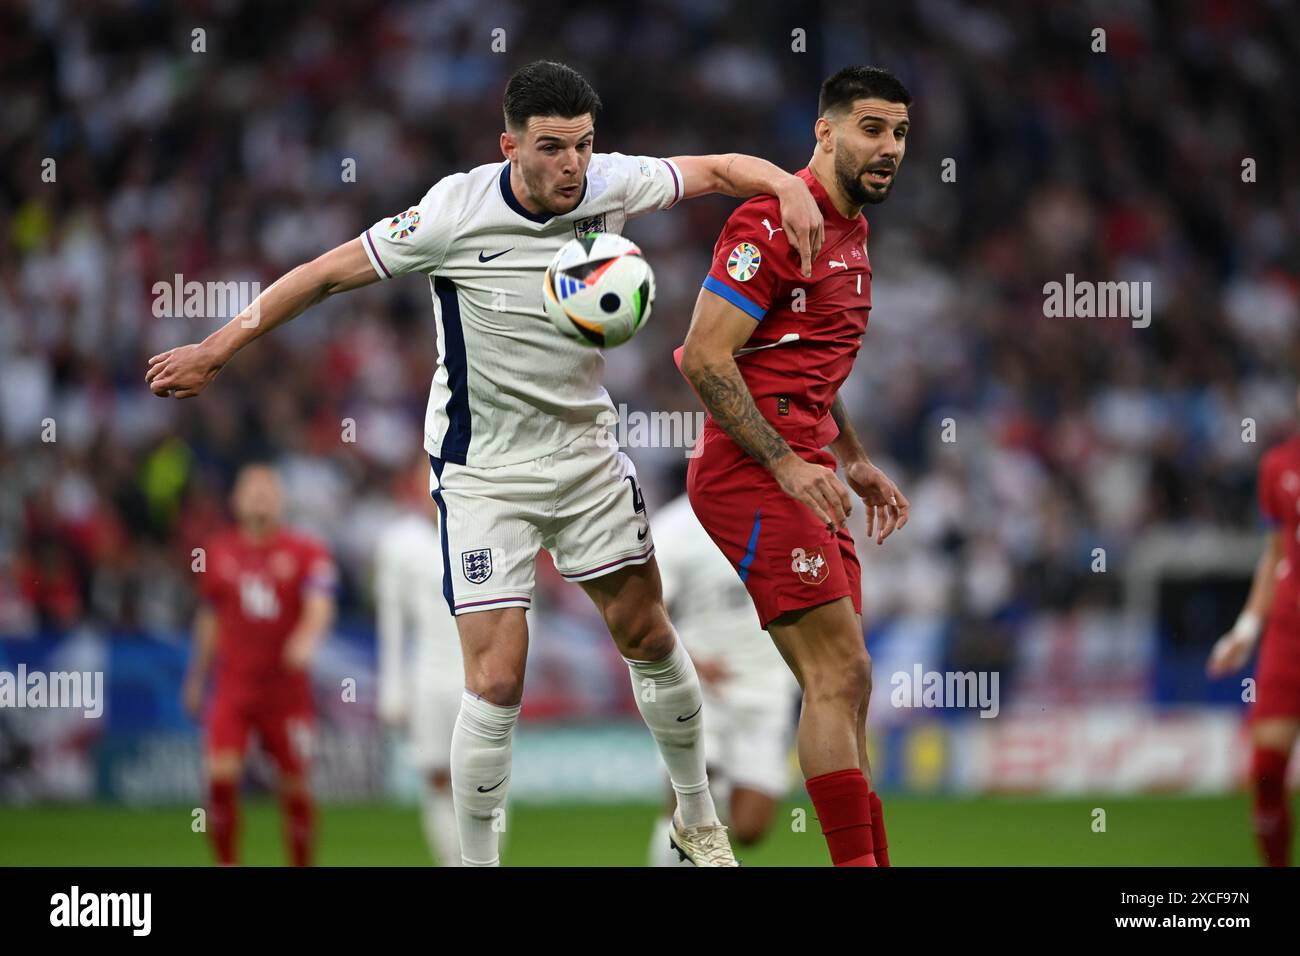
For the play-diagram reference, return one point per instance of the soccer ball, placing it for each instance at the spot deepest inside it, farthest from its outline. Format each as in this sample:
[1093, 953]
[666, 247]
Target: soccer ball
[598, 290]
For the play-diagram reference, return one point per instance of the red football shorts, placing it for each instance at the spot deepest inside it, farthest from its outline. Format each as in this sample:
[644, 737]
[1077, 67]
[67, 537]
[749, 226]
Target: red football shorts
[1277, 678]
[282, 716]
[786, 557]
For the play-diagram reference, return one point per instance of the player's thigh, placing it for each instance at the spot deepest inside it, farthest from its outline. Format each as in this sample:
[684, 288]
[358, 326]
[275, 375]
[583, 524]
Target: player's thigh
[630, 601]
[489, 523]
[494, 645]
[825, 646]
[600, 524]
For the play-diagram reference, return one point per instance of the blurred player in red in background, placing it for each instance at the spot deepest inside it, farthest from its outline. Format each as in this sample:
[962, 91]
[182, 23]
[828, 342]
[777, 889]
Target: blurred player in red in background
[268, 601]
[767, 352]
[1274, 599]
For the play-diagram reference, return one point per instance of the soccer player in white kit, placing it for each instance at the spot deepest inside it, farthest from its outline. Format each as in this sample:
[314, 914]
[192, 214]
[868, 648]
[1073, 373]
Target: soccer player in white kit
[513, 428]
[421, 673]
[750, 696]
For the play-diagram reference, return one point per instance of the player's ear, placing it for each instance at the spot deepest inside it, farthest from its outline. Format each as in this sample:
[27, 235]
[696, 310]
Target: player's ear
[509, 143]
[824, 131]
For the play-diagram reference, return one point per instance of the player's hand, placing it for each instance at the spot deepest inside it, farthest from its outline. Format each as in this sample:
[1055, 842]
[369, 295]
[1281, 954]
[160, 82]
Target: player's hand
[1230, 653]
[802, 221]
[182, 372]
[297, 654]
[192, 697]
[817, 487]
[711, 670]
[886, 506]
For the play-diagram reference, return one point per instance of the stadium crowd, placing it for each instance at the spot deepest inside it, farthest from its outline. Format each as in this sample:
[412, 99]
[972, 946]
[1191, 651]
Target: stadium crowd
[1024, 441]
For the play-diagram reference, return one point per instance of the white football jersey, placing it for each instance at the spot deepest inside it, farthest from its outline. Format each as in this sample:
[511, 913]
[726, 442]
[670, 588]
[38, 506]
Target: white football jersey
[416, 631]
[712, 611]
[509, 387]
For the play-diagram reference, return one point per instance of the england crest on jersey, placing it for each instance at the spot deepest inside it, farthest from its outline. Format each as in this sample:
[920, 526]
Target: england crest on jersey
[477, 565]
[590, 224]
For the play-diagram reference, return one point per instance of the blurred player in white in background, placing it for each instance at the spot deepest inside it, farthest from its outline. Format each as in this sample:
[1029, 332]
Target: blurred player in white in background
[421, 673]
[749, 694]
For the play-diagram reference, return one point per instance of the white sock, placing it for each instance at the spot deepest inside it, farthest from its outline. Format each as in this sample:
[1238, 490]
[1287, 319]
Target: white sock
[480, 776]
[438, 815]
[666, 690]
[661, 851]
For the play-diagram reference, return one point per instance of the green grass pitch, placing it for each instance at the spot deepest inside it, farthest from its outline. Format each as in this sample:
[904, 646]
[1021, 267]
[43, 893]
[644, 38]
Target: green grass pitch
[923, 831]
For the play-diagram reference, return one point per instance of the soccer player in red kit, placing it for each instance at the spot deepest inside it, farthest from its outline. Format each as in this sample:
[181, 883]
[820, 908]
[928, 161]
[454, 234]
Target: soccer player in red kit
[767, 352]
[1274, 599]
[268, 601]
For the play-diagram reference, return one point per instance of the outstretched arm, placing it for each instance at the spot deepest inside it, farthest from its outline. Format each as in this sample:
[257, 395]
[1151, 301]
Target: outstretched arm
[741, 176]
[186, 371]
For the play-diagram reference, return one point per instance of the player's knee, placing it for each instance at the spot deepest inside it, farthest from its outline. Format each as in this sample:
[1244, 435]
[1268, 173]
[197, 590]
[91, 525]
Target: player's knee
[845, 684]
[642, 633]
[225, 768]
[1275, 734]
[500, 686]
[750, 828]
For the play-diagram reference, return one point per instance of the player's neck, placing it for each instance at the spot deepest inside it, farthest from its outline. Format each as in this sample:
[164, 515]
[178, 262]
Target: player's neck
[258, 533]
[825, 174]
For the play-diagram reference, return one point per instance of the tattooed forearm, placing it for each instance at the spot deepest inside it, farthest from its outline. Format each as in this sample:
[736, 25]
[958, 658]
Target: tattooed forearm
[729, 401]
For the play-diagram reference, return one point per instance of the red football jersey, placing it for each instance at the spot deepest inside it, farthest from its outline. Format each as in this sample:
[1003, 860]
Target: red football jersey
[256, 590]
[1279, 500]
[808, 330]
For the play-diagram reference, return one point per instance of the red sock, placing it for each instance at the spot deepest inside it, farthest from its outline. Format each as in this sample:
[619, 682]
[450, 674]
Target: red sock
[299, 827]
[879, 841]
[223, 819]
[1272, 817]
[843, 807]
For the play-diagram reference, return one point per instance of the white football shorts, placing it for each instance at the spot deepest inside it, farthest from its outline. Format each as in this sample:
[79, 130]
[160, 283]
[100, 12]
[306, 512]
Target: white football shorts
[749, 742]
[581, 503]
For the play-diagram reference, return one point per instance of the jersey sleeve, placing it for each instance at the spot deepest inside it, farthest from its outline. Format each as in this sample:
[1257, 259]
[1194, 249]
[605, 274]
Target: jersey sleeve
[1268, 506]
[647, 183]
[416, 240]
[748, 260]
[320, 574]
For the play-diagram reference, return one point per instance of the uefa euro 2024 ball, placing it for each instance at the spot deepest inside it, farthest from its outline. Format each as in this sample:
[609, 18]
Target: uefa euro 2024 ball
[598, 289]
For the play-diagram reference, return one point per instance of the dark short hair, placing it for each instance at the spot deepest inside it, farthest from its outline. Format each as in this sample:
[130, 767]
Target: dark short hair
[547, 88]
[859, 83]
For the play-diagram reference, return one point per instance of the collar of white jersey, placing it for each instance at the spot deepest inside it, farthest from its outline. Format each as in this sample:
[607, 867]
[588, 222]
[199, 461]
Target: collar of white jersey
[508, 194]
